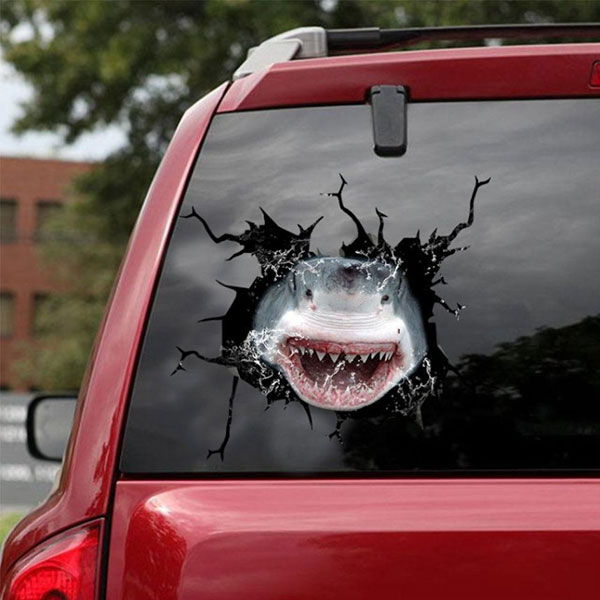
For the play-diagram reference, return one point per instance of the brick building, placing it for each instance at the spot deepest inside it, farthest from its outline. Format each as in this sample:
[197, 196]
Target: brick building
[31, 190]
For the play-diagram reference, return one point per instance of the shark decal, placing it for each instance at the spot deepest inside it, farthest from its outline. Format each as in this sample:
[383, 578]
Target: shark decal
[351, 334]
[343, 331]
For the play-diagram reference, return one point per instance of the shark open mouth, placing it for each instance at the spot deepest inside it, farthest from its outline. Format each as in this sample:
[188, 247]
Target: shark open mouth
[341, 376]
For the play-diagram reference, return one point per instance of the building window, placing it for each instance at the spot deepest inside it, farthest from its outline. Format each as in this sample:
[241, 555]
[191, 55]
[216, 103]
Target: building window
[8, 220]
[39, 324]
[7, 314]
[45, 210]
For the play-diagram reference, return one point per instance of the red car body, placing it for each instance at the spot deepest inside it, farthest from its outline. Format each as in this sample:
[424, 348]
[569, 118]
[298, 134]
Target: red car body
[329, 538]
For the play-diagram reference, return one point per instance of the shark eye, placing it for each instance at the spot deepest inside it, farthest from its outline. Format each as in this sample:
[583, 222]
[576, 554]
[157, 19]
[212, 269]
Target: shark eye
[385, 298]
[308, 293]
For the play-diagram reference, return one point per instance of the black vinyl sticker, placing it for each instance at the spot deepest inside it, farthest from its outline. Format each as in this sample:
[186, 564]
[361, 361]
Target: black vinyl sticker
[352, 333]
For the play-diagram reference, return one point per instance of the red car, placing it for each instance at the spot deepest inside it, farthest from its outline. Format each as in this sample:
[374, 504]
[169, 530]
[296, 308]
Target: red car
[312, 236]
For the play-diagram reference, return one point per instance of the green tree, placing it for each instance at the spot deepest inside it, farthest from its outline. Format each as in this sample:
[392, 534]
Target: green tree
[139, 65]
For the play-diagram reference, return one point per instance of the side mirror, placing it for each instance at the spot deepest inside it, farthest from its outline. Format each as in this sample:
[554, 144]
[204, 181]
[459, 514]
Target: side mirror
[49, 422]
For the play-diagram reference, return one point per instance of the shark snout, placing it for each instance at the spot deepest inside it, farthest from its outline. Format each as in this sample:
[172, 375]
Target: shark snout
[346, 304]
[343, 326]
[348, 277]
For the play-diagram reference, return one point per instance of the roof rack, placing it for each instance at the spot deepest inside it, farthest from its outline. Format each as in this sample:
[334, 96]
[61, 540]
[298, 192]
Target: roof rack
[316, 42]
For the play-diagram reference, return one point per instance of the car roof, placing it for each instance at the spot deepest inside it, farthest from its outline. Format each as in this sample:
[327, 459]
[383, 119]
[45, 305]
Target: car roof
[516, 72]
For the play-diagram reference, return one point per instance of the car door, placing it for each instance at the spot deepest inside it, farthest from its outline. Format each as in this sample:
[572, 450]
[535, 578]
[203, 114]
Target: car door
[293, 433]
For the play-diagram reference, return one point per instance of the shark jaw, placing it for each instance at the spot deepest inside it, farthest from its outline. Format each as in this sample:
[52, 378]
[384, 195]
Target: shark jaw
[341, 376]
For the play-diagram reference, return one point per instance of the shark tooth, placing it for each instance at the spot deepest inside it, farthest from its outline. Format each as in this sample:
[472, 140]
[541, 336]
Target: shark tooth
[310, 351]
[334, 357]
[350, 357]
[320, 354]
[364, 357]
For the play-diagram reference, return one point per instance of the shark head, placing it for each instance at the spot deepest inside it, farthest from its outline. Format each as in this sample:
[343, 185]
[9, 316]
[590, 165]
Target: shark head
[344, 332]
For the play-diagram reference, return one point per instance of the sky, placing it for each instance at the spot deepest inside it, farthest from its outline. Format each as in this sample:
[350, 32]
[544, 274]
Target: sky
[14, 90]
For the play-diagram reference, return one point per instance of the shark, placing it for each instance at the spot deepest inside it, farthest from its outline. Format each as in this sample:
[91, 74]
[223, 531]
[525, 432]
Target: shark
[343, 331]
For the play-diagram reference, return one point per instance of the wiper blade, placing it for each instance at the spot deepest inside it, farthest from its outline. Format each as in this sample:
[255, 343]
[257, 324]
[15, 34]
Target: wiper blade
[373, 38]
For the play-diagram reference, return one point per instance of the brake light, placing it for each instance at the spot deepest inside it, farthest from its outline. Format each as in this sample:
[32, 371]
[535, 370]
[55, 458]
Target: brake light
[595, 76]
[63, 569]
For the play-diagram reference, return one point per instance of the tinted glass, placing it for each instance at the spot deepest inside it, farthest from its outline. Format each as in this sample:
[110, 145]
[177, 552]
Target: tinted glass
[522, 383]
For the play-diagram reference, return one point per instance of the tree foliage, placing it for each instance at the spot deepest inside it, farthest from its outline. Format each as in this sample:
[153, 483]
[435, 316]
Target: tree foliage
[139, 64]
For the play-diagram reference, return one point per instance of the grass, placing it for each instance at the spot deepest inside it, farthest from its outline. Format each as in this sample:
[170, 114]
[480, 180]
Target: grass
[7, 522]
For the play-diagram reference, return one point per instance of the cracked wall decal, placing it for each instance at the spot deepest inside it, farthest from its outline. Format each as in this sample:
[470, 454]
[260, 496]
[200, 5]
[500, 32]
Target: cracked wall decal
[353, 334]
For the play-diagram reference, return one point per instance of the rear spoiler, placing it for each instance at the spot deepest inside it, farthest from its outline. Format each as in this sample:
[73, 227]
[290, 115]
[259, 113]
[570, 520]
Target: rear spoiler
[316, 42]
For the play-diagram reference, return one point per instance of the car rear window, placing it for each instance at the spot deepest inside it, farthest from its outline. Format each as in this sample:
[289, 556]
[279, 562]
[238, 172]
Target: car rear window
[435, 312]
